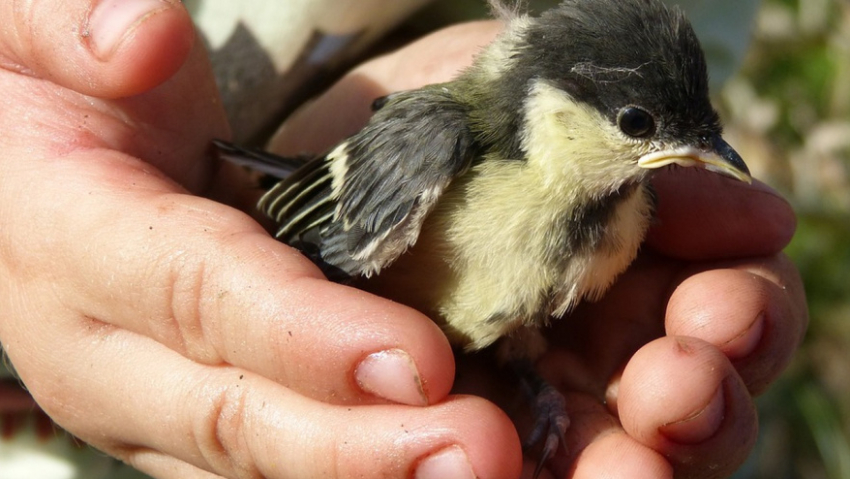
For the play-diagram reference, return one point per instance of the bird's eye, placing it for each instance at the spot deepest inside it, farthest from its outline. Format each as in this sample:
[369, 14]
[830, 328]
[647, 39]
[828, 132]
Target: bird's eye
[636, 122]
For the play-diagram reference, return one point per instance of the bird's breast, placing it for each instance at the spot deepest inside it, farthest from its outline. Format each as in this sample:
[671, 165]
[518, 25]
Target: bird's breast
[588, 272]
[495, 254]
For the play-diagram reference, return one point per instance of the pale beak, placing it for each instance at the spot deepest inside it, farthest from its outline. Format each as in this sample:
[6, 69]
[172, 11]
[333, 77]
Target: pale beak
[719, 158]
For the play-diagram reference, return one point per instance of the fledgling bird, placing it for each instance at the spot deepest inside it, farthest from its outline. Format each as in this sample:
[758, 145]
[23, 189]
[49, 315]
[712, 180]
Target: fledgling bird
[503, 198]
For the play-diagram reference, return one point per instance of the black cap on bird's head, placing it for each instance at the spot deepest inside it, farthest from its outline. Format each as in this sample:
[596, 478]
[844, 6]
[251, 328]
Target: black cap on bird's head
[613, 53]
[640, 65]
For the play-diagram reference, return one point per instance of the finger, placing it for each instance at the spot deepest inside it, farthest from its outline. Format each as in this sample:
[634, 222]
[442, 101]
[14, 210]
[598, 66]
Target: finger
[208, 282]
[105, 48]
[345, 108]
[617, 455]
[237, 424]
[702, 216]
[605, 334]
[759, 322]
[682, 398]
[754, 311]
[597, 446]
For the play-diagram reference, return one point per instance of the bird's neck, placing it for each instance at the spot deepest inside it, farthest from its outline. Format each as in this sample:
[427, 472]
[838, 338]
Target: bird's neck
[494, 92]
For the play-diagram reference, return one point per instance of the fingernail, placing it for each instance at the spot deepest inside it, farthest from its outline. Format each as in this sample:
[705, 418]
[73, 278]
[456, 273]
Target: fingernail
[742, 345]
[391, 375]
[111, 20]
[451, 462]
[701, 425]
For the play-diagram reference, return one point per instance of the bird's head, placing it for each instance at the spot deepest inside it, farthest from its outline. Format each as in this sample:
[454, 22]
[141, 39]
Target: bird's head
[614, 88]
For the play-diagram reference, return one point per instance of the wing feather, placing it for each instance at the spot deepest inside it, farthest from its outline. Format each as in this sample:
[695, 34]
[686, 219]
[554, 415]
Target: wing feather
[360, 206]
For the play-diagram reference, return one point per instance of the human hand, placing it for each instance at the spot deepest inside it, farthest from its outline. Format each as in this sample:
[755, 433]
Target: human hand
[170, 330]
[667, 364]
[660, 374]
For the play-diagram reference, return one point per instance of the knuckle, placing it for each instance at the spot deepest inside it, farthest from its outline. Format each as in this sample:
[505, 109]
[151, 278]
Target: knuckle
[23, 35]
[181, 322]
[221, 431]
[788, 292]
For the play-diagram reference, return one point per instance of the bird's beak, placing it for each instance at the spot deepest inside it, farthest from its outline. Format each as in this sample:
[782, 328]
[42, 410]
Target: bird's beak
[719, 157]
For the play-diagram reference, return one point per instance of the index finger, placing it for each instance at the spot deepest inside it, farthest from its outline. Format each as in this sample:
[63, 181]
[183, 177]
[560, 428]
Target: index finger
[704, 216]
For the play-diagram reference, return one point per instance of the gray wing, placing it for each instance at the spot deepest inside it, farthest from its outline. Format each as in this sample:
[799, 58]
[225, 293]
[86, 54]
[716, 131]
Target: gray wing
[356, 209]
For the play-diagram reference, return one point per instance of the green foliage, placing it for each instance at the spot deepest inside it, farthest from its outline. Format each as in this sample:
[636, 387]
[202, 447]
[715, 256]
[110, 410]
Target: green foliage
[798, 66]
[821, 249]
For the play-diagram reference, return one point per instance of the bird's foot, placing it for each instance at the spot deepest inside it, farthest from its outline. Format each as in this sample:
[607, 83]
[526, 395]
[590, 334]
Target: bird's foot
[550, 424]
[549, 412]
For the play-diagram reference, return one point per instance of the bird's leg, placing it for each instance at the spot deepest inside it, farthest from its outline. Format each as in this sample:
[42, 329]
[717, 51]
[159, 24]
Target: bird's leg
[547, 403]
[548, 410]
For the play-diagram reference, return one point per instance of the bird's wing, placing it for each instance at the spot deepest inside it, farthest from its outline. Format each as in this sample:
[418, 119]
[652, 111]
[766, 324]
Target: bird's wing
[359, 207]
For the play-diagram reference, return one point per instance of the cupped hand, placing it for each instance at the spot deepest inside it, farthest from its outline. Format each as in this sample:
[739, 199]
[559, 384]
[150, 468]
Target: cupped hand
[168, 329]
[666, 366]
[660, 375]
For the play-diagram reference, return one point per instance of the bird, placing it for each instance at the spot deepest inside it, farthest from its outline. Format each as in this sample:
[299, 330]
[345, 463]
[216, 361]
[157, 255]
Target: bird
[498, 201]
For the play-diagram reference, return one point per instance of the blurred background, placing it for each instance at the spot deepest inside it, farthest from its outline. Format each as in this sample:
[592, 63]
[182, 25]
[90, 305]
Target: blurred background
[788, 112]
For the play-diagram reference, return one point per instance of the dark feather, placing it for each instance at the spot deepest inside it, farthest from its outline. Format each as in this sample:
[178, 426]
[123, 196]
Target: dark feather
[392, 173]
[258, 160]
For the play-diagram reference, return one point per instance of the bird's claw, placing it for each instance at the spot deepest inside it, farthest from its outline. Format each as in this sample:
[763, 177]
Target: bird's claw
[551, 422]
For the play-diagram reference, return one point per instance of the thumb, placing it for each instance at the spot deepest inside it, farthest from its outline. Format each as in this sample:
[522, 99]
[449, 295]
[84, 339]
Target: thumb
[101, 48]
